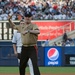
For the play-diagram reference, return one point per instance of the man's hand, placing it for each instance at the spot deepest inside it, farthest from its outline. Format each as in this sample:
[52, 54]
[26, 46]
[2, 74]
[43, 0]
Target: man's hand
[16, 54]
[9, 17]
[19, 56]
[25, 32]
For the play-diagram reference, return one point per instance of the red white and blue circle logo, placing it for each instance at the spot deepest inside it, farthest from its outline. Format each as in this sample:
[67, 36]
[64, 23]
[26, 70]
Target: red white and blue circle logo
[53, 54]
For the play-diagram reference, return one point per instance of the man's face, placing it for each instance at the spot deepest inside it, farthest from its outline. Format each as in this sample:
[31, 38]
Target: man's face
[22, 23]
[27, 19]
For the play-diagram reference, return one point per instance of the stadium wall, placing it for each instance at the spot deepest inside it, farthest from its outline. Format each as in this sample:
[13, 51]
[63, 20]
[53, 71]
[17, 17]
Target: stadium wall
[47, 56]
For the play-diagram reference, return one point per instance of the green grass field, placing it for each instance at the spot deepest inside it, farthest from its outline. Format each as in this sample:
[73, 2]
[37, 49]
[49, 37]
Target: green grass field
[42, 70]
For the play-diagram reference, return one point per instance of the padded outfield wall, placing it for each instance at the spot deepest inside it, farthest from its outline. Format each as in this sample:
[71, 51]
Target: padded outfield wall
[47, 56]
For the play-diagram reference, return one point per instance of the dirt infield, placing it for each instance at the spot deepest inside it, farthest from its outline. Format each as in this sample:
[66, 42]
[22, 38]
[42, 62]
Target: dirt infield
[41, 74]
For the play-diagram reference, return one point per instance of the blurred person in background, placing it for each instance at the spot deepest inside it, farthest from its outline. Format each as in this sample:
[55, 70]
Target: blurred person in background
[65, 37]
[17, 46]
[47, 42]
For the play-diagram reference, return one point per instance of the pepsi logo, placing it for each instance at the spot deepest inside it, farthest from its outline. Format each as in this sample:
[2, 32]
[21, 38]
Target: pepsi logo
[53, 54]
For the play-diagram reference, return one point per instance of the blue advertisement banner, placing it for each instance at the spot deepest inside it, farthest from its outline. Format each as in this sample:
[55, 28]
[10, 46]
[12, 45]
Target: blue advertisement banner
[40, 56]
[53, 56]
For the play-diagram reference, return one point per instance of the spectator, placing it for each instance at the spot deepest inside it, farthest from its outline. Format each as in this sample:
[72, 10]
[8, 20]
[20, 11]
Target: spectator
[49, 9]
[65, 37]
[47, 42]
[19, 16]
[67, 43]
[63, 43]
[54, 44]
[59, 44]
